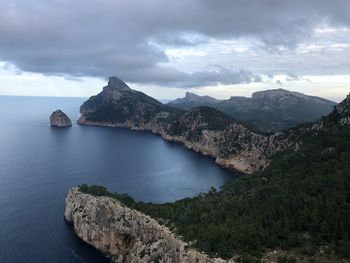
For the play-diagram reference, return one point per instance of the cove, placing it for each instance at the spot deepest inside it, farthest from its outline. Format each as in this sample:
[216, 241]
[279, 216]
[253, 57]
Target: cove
[39, 164]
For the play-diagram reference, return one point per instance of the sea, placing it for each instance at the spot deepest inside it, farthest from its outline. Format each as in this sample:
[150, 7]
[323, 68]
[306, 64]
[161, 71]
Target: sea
[39, 164]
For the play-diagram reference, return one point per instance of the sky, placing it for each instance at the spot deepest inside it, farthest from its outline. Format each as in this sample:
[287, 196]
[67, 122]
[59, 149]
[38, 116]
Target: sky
[165, 48]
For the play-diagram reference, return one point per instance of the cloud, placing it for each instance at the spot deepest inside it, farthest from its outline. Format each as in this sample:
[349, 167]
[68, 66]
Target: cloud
[128, 38]
[175, 78]
[292, 77]
[220, 75]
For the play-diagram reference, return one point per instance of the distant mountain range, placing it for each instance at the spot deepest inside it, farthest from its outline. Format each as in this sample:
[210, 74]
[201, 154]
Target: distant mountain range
[266, 111]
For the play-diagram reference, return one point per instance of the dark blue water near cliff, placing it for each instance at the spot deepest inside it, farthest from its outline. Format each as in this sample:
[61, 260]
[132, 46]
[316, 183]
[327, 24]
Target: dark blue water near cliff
[38, 165]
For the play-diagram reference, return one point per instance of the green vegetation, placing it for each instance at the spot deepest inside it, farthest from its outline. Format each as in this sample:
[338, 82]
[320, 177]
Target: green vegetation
[301, 201]
[95, 190]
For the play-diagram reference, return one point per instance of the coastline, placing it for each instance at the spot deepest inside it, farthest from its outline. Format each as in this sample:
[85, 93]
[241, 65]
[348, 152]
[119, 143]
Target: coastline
[124, 234]
[223, 163]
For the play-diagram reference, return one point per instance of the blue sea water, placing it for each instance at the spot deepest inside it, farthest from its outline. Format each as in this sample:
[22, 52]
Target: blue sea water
[38, 165]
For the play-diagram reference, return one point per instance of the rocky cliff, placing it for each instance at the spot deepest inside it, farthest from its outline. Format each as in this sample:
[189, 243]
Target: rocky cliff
[343, 111]
[125, 235]
[204, 129]
[60, 119]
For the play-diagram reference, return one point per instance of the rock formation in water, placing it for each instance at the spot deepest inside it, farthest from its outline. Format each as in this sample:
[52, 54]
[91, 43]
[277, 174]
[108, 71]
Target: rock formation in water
[204, 129]
[126, 235]
[59, 119]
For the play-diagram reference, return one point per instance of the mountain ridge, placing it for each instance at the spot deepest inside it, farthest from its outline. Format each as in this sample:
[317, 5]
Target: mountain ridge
[267, 111]
[192, 97]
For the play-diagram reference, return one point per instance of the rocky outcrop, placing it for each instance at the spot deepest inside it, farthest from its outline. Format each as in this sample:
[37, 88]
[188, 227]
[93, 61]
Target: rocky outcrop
[193, 100]
[204, 129]
[59, 119]
[343, 110]
[340, 116]
[126, 235]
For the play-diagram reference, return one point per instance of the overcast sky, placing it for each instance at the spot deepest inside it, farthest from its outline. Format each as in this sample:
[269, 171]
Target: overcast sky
[165, 48]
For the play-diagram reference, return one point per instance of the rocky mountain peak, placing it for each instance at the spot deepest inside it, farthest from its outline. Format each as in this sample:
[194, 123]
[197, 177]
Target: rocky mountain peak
[282, 95]
[116, 83]
[115, 89]
[277, 93]
[190, 95]
[194, 98]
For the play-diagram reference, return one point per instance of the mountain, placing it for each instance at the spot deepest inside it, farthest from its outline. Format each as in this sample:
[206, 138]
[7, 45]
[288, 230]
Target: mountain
[266, 111]
[192, 100]
[203, 129]
[295, 210]
[118, 104]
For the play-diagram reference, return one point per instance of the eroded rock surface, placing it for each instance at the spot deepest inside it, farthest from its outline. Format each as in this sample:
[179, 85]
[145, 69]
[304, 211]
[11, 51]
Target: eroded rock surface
[59, 119]
[126, 235]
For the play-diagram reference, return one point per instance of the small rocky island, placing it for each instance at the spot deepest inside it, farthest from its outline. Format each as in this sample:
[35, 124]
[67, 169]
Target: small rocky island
[59, 119]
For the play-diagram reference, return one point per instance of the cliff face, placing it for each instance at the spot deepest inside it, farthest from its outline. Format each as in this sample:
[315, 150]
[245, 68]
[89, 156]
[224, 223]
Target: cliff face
[123, 234]
[204, 129]
[60, 119]
[343, 110]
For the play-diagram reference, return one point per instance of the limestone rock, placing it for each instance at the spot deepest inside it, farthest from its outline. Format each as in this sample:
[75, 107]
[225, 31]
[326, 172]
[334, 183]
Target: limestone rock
[59, 119]
[126, 235]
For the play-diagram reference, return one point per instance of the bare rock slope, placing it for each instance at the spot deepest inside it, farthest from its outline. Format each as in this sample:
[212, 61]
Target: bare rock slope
[126, 235]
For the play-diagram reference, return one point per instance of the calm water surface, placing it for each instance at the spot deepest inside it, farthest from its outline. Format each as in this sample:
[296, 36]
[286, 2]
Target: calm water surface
[38, 165]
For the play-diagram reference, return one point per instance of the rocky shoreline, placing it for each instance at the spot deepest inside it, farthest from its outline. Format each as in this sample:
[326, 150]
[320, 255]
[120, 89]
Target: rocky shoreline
[251, 159]
[126, 235]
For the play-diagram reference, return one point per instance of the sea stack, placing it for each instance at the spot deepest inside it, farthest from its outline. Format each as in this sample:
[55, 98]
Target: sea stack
[59, 119]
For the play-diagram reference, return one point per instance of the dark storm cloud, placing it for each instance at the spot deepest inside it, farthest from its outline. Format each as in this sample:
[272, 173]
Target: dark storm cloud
[107, 37]
[175, 78]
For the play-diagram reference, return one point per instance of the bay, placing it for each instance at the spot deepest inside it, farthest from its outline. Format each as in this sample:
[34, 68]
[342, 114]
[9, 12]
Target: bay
[39, 164]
